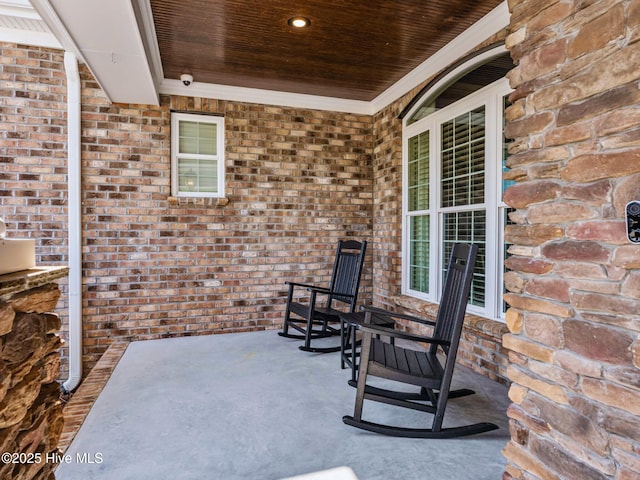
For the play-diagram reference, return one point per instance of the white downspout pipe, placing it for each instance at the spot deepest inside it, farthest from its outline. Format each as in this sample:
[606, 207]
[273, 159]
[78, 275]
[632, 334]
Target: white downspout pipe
[75, 222]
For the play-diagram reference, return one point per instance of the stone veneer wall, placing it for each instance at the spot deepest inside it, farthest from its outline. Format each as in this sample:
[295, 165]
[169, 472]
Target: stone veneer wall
[30, 409]
[575, 280]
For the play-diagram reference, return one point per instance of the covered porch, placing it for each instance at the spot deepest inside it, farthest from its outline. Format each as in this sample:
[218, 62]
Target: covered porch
[91, 175]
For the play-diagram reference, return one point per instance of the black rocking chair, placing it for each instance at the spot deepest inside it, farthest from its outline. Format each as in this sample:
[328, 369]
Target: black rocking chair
[419, 366]
[312, 319]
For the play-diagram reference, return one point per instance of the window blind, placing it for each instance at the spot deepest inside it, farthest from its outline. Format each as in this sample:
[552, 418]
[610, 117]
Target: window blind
[468, 227]
[463, 162]
[418, 166]
[419, 253]
[197, 156]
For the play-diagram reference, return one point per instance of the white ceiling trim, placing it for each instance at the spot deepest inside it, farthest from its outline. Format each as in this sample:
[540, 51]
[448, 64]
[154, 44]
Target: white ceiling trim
[18, 8]
[144, 15]
[29, 37]
[266, 97]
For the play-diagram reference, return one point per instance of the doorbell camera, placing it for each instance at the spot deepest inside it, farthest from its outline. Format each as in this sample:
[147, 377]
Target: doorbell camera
[633, 221]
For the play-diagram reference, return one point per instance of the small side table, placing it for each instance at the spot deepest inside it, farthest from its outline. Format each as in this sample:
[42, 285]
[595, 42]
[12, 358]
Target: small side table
[349, 325]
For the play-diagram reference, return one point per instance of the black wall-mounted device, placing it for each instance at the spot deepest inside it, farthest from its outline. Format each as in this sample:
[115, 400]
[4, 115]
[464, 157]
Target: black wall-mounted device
[633, 221]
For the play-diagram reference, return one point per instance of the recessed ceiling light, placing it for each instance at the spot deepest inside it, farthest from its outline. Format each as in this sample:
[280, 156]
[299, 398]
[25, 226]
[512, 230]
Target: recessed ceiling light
[299, 22]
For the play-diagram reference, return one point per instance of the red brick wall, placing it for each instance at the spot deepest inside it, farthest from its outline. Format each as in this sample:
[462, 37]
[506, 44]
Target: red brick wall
[33, 181]
[297, 182]
[387, 207]
[32, 146]
[574, 287]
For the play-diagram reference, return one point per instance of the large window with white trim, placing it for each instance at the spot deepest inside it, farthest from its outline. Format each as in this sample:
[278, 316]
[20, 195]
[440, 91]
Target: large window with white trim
[197, 155]
[454, 158]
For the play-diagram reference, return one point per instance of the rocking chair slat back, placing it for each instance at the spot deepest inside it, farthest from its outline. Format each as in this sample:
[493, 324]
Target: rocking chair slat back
[457, 286]
[346, 273]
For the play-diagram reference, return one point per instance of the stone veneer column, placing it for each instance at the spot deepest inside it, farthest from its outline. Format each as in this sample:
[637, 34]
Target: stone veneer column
[30, 409]
[574, 284]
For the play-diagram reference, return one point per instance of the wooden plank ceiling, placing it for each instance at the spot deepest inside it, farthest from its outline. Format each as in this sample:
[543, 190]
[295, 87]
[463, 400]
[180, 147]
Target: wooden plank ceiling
[352, 49]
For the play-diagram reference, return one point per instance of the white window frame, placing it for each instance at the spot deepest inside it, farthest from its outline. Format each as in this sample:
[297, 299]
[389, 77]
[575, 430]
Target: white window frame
[176, 118]
[492, 97]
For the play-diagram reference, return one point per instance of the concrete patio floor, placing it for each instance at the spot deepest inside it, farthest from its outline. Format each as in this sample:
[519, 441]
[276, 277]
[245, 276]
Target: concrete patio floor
[252, 406]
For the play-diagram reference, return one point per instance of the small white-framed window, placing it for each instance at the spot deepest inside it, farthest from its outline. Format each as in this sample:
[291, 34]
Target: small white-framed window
[454, 156]
[197, 155]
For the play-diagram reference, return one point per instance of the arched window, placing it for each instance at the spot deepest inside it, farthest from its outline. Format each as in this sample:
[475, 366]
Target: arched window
[454, 153]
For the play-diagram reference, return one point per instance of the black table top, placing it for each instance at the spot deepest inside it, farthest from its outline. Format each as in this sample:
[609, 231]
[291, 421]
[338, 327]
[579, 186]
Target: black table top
[358, 318]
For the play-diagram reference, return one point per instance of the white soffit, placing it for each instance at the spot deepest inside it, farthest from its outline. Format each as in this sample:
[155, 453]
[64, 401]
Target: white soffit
[105, 35]
[20, 23]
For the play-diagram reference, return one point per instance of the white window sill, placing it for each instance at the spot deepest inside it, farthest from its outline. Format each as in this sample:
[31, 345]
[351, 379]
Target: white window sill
[198, 201]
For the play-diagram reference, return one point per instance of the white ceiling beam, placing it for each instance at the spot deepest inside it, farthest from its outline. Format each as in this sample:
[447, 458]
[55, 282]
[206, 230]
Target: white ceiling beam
[105, 35]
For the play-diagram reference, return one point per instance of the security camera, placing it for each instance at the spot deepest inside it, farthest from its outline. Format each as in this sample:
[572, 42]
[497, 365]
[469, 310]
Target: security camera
[186, 79]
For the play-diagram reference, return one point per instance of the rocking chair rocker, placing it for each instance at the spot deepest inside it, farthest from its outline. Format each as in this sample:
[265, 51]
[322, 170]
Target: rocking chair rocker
[313, 320]
[418, 366]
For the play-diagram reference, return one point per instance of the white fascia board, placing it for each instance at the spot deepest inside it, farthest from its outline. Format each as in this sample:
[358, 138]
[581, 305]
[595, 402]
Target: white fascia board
[144, 17]
[106, 37]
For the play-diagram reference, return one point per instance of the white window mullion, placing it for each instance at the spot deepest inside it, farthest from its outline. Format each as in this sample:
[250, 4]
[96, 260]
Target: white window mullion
[493, 164]
[434, 259]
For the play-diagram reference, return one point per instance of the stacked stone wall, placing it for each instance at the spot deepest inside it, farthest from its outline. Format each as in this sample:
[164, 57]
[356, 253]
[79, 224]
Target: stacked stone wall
[31, 418]
[574, 292]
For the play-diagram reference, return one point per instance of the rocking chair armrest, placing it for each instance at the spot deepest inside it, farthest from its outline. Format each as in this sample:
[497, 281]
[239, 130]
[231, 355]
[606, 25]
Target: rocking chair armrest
[327, 291]
[401, 316]
[389, 332]
[318, 289]
[301, 285]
